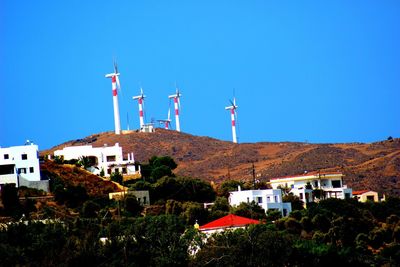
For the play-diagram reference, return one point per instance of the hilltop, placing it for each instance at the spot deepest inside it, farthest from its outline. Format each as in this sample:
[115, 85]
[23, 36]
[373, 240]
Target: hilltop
[374, 166]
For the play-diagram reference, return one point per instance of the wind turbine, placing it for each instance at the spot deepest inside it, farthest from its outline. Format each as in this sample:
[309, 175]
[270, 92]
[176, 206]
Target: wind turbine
[166, 122]
[177, 106]
[140, 99]
[233, 108]
[115, 87]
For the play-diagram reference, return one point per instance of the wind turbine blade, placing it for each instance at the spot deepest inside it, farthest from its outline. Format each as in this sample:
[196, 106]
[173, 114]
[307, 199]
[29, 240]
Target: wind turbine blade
[118, 83]
[169, 113]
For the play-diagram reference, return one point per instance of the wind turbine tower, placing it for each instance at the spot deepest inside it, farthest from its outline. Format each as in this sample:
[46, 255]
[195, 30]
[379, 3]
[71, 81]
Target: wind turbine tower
[233, 108]
[140, 99]
[115, 87]
[166, 122]
[177, 105]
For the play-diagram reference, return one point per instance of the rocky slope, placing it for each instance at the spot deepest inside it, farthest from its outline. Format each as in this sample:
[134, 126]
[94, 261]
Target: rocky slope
[374, 166]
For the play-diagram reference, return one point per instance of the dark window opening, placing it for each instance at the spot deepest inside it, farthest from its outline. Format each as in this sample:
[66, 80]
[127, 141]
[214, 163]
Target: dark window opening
[21, 170]
[110, 158]
[7, 169]
[24, 156]
[259, 200]
[6, 156]
[108, 171]
[336, 184]
[31, 170]
[124, 171]
[370, 198]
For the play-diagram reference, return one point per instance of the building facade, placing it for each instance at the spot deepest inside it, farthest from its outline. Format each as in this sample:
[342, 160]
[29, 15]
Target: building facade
[314, 186]
[267, 199]
[20, 165]
[366, 195]
[107, 158]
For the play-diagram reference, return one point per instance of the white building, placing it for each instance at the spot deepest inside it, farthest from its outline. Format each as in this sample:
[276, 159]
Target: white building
[20, 165]
[107, 158]
[267, 199]
[304, 186]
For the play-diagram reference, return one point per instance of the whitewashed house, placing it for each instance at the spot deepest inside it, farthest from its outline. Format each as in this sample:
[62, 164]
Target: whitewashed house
[266, 198]
[107, 158]
[330, 185]
[20, 165]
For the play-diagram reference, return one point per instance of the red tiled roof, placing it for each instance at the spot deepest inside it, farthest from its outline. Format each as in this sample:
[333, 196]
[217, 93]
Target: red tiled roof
[360, 192]
[307, 174]
[229, 220]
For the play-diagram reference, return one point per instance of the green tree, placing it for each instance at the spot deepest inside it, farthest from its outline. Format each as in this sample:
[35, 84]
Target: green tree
[249, 210]
[90, 209]
[10, 200]
[116, 177]
[132, 205]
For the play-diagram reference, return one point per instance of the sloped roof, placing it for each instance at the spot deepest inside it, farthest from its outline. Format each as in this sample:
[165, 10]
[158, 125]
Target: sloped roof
[227, 221]
[360, 192]
[311, 173]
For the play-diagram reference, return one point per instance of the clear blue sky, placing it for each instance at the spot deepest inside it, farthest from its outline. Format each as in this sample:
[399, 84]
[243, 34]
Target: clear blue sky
[321, 71]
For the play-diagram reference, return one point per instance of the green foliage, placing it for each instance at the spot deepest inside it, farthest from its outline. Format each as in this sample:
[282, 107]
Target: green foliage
[297, 204]
[102, 173]
[163, 161]
[116, 177]
[193, 211]
[255, 246]
[10, 200]
[159, 172]
[132, 205]
[228, 186]
[183, 189]
[90, 209]
[249, 210]
[157, 168]
[85, 162]
[273, 214]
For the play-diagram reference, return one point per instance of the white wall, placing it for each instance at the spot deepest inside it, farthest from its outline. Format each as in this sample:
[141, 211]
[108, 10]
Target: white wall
[267, 199]
[101, 153]
[26, 161]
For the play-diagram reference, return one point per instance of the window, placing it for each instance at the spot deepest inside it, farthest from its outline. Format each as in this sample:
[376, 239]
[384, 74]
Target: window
[268, 199]
[336, 184]
[347, 195]
[144, 200]
[110, 158]
[124, 170]
[31, 170]
[276, 199]
[259, 200]
[6, 156]
[108, 171]
[24, 156]
[21, 170]
[301, 195]
[248, 200]
[285, 212]
[315, 183]
[7, 169]
[370, 198]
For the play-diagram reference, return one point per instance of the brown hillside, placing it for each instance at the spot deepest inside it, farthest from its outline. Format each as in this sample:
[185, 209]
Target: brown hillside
[373, 166]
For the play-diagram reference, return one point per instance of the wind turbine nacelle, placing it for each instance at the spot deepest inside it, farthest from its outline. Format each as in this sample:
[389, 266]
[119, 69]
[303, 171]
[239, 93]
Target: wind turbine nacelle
[230, 107]
[138, 97]
[175, 95]
[110, 75]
